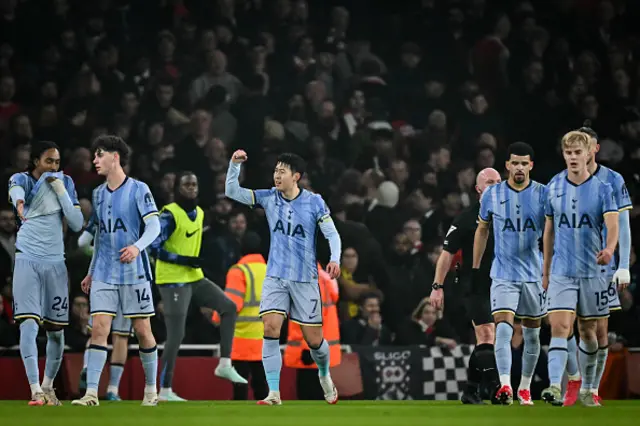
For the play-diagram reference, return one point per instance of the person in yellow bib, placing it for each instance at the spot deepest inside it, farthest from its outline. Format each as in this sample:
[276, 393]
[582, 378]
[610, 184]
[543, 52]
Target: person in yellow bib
[179, 279]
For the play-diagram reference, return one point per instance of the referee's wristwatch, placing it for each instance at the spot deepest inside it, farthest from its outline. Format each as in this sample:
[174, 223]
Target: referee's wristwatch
[437, 286]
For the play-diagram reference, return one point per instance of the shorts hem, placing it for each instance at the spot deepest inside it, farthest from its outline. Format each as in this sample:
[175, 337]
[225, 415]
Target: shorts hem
[550, 310]
[54, 322]
[122, 333]
[478, 323]
[593, 317]
[273, 311]
[531, 317]
[503, 311]
[110, 313]
[615, 308]
[28, 316]
[309, 324]
[140, 315]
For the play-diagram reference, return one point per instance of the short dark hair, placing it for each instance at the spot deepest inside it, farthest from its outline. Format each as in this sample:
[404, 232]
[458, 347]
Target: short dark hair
[586, 128]
[112, 143]
[520, 148]
[38, 149]
[293, 161]
[368, 295]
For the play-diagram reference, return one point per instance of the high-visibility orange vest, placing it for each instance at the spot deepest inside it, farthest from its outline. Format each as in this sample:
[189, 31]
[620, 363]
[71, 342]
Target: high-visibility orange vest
[244, 288]
[330, 327]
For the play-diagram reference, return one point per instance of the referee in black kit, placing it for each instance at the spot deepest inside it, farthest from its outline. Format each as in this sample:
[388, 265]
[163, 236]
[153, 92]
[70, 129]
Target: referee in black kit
[482, 364]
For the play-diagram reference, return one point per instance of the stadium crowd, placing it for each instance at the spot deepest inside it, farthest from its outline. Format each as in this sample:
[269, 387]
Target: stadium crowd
[395, 106]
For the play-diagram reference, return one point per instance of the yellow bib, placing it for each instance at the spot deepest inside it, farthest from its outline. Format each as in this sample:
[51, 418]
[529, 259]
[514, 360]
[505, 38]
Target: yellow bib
[249, 324]
[185, 241]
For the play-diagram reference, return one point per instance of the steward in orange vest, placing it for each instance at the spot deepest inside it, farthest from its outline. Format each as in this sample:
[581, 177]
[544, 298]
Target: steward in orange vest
[297, 353]
[244, 288]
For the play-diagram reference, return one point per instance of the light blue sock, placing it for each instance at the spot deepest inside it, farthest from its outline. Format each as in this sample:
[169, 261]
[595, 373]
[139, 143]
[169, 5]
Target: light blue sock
[95, 363]
[272, 362]
[55, 351]
[29, 349]
[85, 359]
[572, 356]
[149, 358]
[531, 350]
[321, 356]
[588, 359]
[504, 333]
[601, 363]
[115, 374]
[557, 360]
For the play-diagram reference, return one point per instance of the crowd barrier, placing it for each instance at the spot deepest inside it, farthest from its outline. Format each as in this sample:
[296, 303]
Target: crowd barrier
[389, 373]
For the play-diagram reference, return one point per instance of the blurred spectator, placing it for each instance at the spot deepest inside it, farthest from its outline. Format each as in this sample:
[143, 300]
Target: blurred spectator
[7, 243]
[8, 331]
[427, 327]
[77, 334]
[367, 327]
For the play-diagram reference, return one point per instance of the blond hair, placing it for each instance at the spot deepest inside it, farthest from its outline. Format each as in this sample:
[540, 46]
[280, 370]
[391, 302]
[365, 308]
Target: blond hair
[576, 138]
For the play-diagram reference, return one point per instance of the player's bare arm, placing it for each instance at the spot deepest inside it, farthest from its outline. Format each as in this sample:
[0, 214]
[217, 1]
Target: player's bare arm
[611, 221]
[548, 239]
[480, 242]
[232, 188]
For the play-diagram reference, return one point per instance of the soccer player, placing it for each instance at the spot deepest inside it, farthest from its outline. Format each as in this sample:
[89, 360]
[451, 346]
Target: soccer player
[515, 209]
[291, 286]
[42, 197]
[482, 364]
[120, 273]
[180, 279]
[617, 276]
[121, 330]
[575, 263]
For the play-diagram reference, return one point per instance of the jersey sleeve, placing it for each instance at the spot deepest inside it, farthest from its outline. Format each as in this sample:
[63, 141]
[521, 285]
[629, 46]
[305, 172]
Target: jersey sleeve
[548, 207]
[71, 190]
[455, 236]
[261, 197]
[17, 185]
[321, 210]
[485, 206]
[623, 200]
[608, 199]
[144, 200]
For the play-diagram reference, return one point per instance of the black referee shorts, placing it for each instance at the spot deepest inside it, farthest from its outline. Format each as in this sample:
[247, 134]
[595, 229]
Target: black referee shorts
[478, 305]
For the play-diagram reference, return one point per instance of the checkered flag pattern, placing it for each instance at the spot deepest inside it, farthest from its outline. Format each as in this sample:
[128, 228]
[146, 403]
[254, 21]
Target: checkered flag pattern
[445, 372]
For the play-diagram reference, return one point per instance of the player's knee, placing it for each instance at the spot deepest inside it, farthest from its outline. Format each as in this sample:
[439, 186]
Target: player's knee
[313, 336]
[485, 334]
[588, 330]
[142, 327]
[272, 325]
[503, 317]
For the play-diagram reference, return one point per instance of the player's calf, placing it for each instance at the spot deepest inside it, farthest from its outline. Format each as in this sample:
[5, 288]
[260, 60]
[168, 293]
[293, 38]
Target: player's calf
[149, 359]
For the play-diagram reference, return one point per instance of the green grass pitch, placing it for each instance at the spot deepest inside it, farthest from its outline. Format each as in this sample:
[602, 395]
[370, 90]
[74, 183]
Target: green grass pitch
[298, 413]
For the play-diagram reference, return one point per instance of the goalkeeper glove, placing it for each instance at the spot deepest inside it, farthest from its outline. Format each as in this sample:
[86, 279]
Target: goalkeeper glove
[622, 276]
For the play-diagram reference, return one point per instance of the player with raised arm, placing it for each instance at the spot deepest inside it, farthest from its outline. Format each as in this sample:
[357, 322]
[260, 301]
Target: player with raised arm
[618, 274]
[482, 364]
[577, 207]
[120, 332]
[42, 197]
[291, 285]
[515, 209]
[120, 273]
